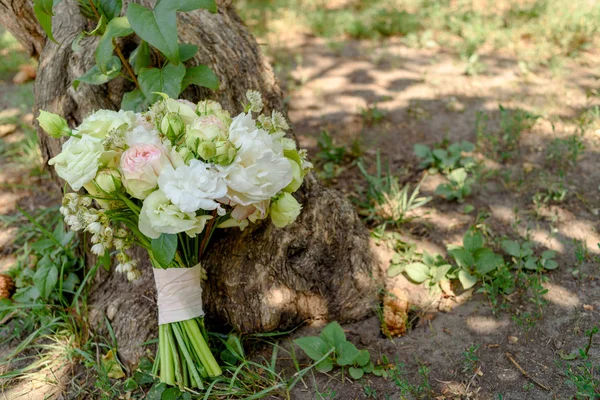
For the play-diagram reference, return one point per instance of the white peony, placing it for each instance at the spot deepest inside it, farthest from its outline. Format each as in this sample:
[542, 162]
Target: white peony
[100, 123]
[193, 187]
[79, 160]
[159, 215]
[260, 169]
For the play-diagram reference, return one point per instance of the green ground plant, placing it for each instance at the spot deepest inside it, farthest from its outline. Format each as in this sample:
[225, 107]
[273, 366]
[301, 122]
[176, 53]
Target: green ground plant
[459, 186]
[582, 375]
[431, 270]
[388, 203]
[445, 157]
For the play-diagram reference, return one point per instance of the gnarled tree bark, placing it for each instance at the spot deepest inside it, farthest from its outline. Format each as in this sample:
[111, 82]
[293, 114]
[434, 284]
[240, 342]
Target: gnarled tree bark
[261, 279]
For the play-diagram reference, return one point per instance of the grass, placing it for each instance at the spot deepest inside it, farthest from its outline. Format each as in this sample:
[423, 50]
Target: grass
[538, 32]
[12, 54]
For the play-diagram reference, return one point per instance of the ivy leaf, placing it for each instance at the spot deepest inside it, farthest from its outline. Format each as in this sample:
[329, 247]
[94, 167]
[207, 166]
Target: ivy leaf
[110, 8]
[201, 75]
[43, 12]
[95, 77]
[134, 101]
[140, 57]
[333, 334]
[46, 276]
[164, 248]
[346, 353]
[313, 346]
[118, 27]
[187, 51]
[165, 80]
[418, 272]
[159, 27]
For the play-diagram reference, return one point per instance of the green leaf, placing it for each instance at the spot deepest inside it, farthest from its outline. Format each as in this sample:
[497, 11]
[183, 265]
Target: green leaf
[368, 368]
[463, 257]
[467, 147]
[200, 76]
[417, 272]
[440, 154]
[140, 57]
[325, 366]
[473, 240]
[346, 353]
[134, 101]
[395, 270]
[550, 264]
[486, 261]
[445, 190]
[110, 8]
[118, 27]
[458, 176]
[166, 80]
[156, 391]
[512, 248]
[170, 394]
[164, 249]
[333, 334]
[95, 77]
[531, 263]
[187, 51]
[440, 272]
[71, 282]
[356, 373]
[43, 12]
[313, 346]
[466, 279]
[26, 295]
[422, 151]
[130, 384]
[159, 27]
[363, 358]
[548, 254]
[46, 276]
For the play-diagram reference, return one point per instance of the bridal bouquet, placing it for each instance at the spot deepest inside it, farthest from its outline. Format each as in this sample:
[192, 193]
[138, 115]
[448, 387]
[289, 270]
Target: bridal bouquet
[165, 180]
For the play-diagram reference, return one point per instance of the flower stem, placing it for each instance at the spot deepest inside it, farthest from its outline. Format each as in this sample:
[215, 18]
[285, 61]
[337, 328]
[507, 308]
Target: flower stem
[202, 349]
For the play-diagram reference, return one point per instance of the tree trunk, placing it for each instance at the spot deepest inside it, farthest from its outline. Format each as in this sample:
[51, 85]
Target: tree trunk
[261, 279]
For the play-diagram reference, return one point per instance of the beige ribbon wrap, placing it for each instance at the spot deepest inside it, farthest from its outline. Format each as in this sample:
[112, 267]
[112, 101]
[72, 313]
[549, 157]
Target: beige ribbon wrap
[179, 294]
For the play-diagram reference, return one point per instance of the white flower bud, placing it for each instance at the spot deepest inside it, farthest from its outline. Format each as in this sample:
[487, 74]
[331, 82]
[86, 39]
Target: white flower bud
[98, 249]
[133, 275]
[94, 227]
[255, 99]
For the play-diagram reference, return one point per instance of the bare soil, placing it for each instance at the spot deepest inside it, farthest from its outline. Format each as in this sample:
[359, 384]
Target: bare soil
[427, 97]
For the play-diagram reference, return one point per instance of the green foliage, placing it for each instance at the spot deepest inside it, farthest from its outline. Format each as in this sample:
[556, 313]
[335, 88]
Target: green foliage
[164, 249]
[372, 114]
[329, 157]
[458, 186]
[473, 259]
[331, 349]
[582, 375]
[446, 157]
[158, 30]
[387, 202]
[431, 270]
[523, 256]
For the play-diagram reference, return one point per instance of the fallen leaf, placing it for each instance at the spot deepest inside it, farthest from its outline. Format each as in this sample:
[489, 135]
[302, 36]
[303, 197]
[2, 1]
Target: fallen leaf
[10, 113]
[111, 366]
[7, 129]
[513, 339]
[567, 357]
[588, 307]
[493, 346]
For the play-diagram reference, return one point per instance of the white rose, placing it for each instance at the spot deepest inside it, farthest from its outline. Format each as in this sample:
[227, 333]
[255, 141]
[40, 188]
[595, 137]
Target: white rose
[260, 170]
[193, 187]
[211, 107]
[101, 122]
[205, 128]
[159, 215]
[240, 126]
[79, 160]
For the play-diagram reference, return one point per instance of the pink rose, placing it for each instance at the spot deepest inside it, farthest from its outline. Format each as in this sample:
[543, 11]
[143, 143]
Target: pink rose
[140, 166]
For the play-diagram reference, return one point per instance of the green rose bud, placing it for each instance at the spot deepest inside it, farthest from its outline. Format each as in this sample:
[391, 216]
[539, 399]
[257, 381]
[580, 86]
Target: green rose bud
[207, 150]
[172, 126]
[54, 125]
[284, 210]
[226, 152]
[109, 180]
[298, 172]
